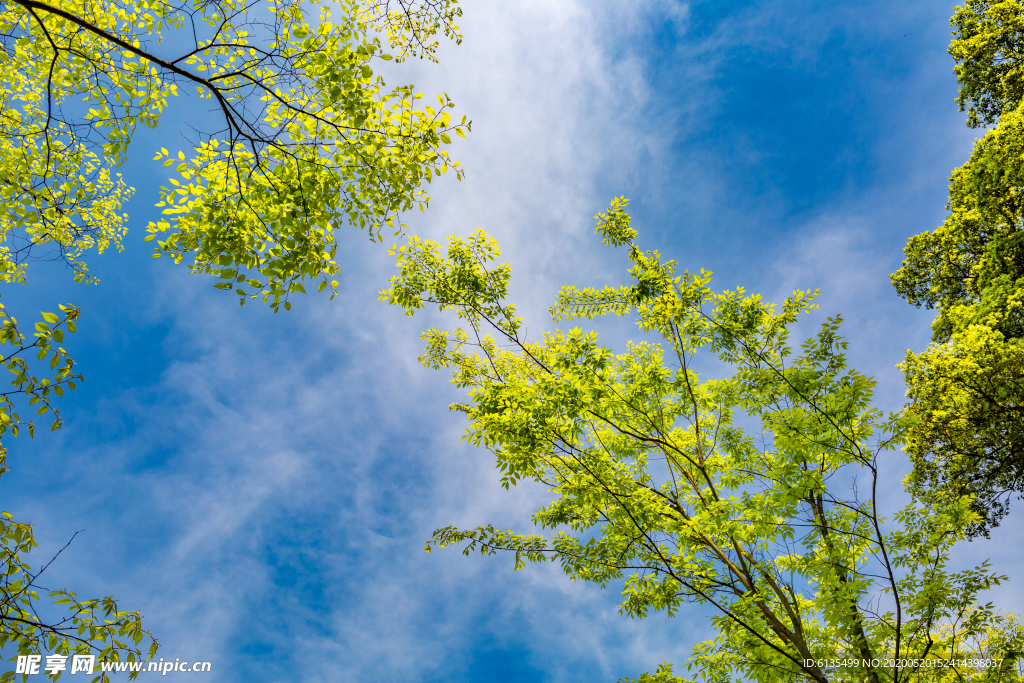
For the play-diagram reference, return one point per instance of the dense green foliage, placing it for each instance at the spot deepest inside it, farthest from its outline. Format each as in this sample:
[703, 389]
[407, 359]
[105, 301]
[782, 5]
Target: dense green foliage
[305, 137]
[967, 387]
[753, 493]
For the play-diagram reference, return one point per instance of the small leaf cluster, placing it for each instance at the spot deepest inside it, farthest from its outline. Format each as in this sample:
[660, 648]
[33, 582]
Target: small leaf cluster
[461, 279]
[44, 349]
[411, 26]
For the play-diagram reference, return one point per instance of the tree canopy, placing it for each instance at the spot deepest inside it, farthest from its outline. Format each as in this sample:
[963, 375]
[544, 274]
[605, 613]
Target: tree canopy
[753, 493]
[292, 133]
[967, 387]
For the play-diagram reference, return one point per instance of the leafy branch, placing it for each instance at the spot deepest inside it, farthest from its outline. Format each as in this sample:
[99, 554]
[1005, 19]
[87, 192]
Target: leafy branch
[96, 627]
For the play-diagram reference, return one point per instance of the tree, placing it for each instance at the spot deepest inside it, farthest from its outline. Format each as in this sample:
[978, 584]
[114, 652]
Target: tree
[304, 136]
[753, 493]
[301, 138]
[967, 387]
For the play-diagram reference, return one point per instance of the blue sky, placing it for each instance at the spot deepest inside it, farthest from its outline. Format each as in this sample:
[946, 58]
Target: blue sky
[261, 486]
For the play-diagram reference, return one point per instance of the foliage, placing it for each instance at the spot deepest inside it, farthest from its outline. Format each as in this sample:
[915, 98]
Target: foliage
[303, 136]
[967, 387]
[89, 626]
[753, 493]
[987, 46]
[410, 25]
[49, 331]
